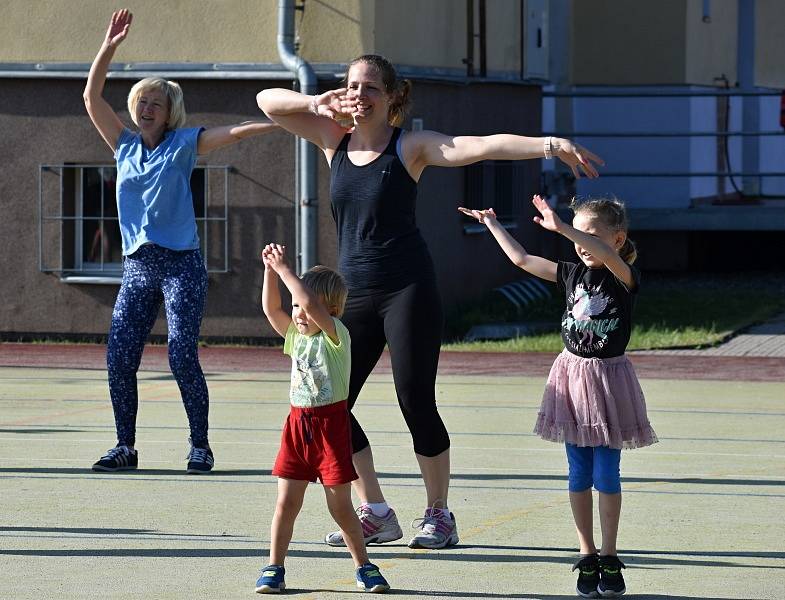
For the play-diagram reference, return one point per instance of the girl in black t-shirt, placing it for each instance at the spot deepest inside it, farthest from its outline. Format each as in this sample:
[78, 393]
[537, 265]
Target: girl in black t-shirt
[592, 399]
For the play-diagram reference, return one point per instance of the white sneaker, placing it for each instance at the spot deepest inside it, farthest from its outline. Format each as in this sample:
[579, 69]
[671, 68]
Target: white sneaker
[376, 530]
[436, 530]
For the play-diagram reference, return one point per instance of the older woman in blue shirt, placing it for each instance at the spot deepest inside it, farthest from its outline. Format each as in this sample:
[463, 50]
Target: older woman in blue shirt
[162, 260]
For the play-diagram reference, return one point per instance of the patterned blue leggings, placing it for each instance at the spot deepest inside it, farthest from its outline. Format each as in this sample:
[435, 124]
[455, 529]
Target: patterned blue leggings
[150, 275]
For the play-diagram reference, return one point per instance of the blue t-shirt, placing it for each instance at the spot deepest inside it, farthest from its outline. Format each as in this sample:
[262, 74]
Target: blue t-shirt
[154, 202]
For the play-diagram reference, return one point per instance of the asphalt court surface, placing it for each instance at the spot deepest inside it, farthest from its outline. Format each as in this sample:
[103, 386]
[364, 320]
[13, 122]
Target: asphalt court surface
[702, 514]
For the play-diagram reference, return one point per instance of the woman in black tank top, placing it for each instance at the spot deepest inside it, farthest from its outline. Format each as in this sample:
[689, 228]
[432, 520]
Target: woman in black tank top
[393, 297]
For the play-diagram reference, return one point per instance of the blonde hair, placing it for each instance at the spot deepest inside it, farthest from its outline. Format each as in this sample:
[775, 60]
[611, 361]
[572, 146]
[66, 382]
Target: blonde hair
[328, 285]
[170, 89]
[398, 89]
[612, 213]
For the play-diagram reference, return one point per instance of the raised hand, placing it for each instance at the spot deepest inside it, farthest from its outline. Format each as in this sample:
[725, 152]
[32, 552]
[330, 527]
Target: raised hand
[335, 105]
[273, 257]
[575, 156]
[118, 27]
[548, 218]
[481, 215]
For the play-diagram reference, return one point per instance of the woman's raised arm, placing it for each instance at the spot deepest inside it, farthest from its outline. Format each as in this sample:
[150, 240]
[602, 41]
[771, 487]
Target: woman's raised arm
[314, 118]
[101, 114]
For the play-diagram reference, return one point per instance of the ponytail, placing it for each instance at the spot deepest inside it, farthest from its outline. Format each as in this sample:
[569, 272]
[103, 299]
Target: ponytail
[628, 251]
[400, 103]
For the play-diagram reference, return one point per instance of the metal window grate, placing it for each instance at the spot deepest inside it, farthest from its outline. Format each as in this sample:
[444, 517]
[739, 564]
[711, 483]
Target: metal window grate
[499, 184]
[79, 234]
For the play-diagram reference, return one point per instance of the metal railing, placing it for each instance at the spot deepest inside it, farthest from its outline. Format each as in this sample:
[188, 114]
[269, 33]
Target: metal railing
[656, 94]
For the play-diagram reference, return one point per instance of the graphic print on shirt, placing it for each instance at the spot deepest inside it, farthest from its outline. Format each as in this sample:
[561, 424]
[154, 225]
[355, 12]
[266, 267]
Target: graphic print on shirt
[311, 380]
[585, 305]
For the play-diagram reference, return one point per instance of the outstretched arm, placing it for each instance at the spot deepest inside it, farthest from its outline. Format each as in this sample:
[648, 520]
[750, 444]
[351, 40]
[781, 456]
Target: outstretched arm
[218, 137]
[302, 295]
[315, 118]
[101, 114]
[595, 246]
[536, 265]
[430, 148]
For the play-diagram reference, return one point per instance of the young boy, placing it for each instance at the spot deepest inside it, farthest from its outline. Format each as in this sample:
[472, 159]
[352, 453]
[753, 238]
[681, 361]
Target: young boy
[316, 440]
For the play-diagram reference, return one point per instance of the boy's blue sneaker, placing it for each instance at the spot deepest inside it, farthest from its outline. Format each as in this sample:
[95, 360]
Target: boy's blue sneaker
[611, 580]
[271, 580]
[369, 579]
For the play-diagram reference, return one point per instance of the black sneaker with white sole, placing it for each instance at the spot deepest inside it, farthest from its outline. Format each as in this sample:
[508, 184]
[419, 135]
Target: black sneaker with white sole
[119, 458]
[611, 580]
[200, 461]
[588, 568]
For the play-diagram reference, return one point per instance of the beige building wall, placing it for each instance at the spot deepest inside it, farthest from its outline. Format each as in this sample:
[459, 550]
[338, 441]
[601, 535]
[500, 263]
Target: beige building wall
[617, 42]
[711, 47]
[504, 35]
[427, 33]
[171, 31]
[432, 33]
[422, 33]
[770, 43]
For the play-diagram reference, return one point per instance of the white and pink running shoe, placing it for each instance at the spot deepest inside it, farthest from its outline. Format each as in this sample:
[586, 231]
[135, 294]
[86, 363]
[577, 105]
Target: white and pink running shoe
[436, 530]
[376, 530]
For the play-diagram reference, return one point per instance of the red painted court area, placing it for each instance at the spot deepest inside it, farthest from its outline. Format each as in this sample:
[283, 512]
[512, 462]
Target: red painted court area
[259, 359]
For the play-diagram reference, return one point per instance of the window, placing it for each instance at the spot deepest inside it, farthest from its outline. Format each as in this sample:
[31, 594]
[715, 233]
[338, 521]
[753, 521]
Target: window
[79, 228]
[495, 183]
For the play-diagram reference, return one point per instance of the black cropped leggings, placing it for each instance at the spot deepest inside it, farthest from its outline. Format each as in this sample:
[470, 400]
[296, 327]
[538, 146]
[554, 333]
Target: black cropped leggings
[410, 322]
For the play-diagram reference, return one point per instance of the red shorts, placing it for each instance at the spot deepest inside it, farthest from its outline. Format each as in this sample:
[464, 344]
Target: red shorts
[316, 443]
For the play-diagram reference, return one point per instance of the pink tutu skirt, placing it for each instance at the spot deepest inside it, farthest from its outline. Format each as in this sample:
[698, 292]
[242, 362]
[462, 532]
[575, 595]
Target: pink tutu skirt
[594, 402]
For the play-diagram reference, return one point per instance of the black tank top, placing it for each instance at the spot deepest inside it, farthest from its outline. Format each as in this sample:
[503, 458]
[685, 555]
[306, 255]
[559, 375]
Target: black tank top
[379, 245]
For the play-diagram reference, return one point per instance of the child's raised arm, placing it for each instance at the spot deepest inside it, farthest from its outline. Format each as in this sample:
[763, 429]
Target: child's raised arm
[536, 265]
[302, 295]
[271, 296]
[595, 246]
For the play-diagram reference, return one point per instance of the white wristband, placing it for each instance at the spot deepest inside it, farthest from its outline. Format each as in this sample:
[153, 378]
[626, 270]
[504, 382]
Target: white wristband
[312, 107]
[548, 147]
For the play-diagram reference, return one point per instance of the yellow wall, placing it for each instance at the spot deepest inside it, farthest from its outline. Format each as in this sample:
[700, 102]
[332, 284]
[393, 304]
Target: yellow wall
[335, 31]
[620, 42]
[711, 47]
[170, 31]
[504, 35]
[432, 33]
[770, 43]
[421, 33]
[616, 42]
[427, 33]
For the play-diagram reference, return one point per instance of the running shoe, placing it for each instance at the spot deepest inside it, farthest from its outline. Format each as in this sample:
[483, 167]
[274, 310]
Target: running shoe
[588, 568]
[611, 580]
[119, 458]
[271, 580]
[437, 530]
[200, 460]
[369, 579]
[376, 530]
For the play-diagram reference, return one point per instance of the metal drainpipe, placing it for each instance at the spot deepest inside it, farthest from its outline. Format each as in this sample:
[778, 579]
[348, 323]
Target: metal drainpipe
[307, 201]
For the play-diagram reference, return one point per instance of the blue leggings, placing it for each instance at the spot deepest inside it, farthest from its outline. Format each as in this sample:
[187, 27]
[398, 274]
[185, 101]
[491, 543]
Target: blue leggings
[594, 466]
[152, 275]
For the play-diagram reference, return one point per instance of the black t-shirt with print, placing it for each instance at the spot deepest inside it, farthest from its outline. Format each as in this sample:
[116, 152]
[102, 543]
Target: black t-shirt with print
[598, 318]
